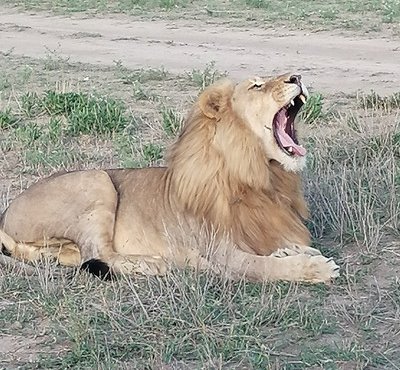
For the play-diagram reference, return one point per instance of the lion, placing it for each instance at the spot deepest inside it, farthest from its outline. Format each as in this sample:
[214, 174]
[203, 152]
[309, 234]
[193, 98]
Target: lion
[229, 198]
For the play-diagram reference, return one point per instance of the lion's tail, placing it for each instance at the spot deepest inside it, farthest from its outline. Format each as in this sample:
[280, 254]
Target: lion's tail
[7, 243]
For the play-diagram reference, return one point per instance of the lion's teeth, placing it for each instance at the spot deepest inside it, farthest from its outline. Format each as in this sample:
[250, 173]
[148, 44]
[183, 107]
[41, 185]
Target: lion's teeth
[292, 102]
[290, 149]
[302, 98]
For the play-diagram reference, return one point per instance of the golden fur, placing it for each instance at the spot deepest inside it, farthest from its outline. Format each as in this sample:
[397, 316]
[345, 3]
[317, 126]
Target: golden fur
[229, 199]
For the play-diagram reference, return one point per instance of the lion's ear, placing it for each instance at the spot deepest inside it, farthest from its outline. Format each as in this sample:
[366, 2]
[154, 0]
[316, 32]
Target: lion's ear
[215, 98]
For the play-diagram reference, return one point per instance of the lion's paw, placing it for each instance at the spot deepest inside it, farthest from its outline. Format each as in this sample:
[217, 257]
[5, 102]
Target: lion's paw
[319, 269]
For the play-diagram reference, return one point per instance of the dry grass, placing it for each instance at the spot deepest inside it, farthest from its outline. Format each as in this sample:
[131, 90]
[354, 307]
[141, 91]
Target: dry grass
[56, 318]
[358, 197]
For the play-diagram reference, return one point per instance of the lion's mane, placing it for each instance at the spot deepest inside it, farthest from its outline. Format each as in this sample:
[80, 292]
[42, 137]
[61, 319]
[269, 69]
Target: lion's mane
[218, 172]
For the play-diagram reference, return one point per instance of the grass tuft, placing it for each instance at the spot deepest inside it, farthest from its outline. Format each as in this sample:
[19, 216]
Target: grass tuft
[391, 11]
[140, 76]
[376, 101]
[258, 4]
[7, 119]
[152, 153]
[205, 77]
[312, 110]
[352, 186]
[172, 121]
[84, 113]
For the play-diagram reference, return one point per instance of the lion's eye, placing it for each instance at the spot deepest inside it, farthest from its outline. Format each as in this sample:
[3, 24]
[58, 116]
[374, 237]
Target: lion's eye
[256, 86]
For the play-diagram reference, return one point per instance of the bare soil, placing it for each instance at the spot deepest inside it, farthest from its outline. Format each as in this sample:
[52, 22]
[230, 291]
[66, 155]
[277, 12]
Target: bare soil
[331, 61]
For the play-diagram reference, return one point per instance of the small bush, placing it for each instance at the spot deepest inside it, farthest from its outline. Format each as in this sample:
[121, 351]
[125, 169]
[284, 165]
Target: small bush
[97, 115]
[84, 113]
[206, 77]
[171, 121]
[31, 104]
[28, 133]
[391, 11]
[140, 93]
[7, 119]
[375, 101]
[142, 75]
[312, 110]
[152, 153]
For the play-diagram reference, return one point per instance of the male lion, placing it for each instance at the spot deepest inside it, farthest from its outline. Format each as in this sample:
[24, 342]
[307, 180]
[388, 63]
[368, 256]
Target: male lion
[229, 199]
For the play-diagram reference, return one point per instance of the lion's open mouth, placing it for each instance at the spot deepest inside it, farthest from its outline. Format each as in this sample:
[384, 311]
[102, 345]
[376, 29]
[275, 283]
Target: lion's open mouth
[284, 130]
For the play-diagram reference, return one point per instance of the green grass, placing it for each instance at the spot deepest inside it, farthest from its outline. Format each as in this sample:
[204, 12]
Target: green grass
[83, 113]
[183, 318]
[374, 100]
[343, 13]
[205, 77]
[46, 128]
[258, 4]
[7, 119]
[364, 16]
[312, 110]
[390, 11]
[172, 121]
[73, 6]
[142, 93]
[361, 163]
[141, 76]
[4, 83]
[152, 153]
[53, 61]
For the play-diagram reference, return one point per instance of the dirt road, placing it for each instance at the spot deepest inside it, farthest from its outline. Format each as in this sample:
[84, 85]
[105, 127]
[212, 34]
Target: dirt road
[331, 62]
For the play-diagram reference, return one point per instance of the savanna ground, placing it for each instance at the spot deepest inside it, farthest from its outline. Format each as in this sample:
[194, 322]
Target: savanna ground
[90, 84]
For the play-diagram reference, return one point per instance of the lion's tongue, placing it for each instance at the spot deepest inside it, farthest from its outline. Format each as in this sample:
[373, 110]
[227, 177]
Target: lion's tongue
[285, 139]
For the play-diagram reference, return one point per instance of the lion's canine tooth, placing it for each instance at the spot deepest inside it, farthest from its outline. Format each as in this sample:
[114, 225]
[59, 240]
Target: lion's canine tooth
[304, 91]
[292, 102]
[290, 149]
[302, 98]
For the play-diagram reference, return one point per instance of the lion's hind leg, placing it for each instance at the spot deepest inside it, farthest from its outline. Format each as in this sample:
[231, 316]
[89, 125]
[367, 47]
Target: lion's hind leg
[22, 251]
[63, 251]
[66, 253]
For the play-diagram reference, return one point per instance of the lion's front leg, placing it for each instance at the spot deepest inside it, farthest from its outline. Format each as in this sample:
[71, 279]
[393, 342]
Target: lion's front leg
[138, 264]
[296, 267]
[114, 263]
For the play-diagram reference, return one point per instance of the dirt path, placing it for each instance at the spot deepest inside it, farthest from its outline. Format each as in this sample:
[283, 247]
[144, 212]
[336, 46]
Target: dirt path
[331, 62]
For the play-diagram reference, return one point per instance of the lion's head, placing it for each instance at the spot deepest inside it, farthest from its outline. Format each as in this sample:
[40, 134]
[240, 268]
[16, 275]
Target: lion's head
[268, 108]
[236, 162]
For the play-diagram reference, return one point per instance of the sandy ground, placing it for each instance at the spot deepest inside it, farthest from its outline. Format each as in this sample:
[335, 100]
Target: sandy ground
[331, 62]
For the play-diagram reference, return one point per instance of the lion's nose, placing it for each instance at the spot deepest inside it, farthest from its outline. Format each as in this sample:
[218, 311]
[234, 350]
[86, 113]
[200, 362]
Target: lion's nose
[295, 79]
